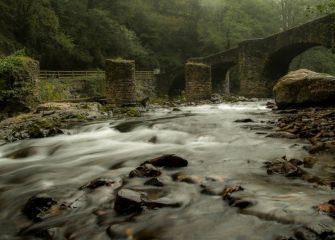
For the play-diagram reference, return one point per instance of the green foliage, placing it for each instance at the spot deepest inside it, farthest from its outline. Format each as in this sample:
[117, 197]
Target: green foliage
[53, 91]
[322, 6]
[79, 34]
[318, 59]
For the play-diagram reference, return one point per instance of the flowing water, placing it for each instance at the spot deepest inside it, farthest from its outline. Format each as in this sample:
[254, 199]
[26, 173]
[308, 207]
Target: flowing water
[206, 136]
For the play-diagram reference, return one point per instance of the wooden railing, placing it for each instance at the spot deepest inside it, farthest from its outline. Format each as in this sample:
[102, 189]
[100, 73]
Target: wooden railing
[68, 75]
[144, 75]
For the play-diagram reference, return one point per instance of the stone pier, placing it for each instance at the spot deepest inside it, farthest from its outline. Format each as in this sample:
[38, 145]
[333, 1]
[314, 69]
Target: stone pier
[120, 82]
[19, 84]
[198, 81]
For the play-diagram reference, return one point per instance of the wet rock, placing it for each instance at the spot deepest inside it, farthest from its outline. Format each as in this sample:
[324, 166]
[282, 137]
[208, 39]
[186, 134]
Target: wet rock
[282, 135]
[191, 179]
[241, 203]
[154, 182]
[289, 169]
[235, 201]
[208, 191]
[102, 182]
[304, 88]
[284, 167]
[39, 206]
[229, 190]
[310, 161]
[128, 201]
[161, 203]
[323, 231]
[146, 170]
[118, 231]
[296, 162]
[271, 105]
[246, 120]
[169, 161]
[176, 110]
[258, 127]
[327, 146]
[328, 208]
[215, 178]
[288, 111]
[216, 98]
[154, 139]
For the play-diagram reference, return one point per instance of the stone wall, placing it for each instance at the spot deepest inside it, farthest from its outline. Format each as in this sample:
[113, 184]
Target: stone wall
[198, 81]
[120, 82]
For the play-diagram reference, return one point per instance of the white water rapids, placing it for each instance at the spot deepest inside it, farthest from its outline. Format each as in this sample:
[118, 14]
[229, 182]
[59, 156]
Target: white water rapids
[206, 136]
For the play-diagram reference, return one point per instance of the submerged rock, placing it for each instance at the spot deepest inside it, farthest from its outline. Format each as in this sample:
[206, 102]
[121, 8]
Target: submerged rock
[169, 161]
[246, 120]
[304, 88]
[282, 135]
[161, 203]
[39, 206]
[154, 182]
[101, 182]
[22, 153]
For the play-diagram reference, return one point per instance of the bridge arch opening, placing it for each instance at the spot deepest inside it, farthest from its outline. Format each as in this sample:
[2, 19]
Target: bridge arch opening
[178, 84]
[224, 78]
[293, 57]
[318, 59]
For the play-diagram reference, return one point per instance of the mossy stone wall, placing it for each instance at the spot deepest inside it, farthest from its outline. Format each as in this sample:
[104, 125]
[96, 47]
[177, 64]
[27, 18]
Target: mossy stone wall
[19, 85]
[120, 82]
[198, 81]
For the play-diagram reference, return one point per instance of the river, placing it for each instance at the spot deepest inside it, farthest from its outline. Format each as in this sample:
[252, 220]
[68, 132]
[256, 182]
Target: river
[207, 136]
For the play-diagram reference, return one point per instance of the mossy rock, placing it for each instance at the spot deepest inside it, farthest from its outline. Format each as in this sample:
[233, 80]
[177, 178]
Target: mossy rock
[18, 84]
[133, 112]
[37, 128]
[304, 88]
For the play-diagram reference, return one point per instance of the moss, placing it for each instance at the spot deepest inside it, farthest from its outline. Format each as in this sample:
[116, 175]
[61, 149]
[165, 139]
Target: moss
[159, 100]
[37, 128]
[133, 112]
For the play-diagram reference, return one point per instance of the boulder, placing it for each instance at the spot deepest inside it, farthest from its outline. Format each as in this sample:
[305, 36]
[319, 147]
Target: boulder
[304, 88]
[128, 201]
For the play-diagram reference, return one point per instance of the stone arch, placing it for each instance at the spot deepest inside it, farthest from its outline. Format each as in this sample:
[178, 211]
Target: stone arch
[278, 63]
[177, 85]
[220, 77]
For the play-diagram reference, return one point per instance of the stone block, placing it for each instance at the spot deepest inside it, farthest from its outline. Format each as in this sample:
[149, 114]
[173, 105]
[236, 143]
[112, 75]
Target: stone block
[198, 81]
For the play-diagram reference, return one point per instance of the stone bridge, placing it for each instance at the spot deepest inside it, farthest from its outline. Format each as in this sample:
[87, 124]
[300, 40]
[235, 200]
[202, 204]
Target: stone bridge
[260, 62]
